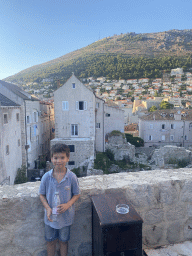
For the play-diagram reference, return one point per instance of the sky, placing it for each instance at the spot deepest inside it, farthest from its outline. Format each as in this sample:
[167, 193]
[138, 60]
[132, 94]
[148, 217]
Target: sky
[36, 31]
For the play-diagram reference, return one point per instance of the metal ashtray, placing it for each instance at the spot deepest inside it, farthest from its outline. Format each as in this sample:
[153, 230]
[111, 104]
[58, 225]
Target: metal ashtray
[122, 208]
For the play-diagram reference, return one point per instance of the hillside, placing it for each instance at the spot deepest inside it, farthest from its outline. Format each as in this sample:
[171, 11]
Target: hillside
[118, 57]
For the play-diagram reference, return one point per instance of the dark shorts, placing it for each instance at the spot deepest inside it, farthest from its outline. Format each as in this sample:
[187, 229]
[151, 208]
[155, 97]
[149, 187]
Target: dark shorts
[52, 234]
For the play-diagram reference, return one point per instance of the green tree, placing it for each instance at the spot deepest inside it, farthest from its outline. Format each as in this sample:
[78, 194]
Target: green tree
[153, 108]
[136, 141]
[21, 175]
[166, 105]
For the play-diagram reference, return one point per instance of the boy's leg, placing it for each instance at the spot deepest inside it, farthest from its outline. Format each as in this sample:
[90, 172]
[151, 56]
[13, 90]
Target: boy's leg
[64, 236]
[63, 248]
[51, 236]
[51, 248]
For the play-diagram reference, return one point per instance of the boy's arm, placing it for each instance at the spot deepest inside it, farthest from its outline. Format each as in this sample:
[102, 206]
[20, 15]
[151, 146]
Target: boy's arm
[46, 205]
[63, 207]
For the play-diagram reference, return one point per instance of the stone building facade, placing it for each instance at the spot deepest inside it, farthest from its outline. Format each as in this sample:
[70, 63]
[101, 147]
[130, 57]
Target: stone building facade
[167, 127]
[82, 120]
[10, 140]
[31, 121]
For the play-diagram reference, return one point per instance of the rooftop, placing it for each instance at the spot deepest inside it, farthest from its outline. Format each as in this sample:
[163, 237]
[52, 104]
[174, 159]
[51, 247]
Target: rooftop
[4, 101]
[168, 114]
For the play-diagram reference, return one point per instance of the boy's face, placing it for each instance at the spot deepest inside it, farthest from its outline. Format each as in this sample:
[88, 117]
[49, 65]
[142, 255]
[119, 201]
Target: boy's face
[59, 160]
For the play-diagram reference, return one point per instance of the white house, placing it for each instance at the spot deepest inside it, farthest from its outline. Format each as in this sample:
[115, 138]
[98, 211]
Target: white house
[167, 127]
[31, 139]
[82, 120]
[10, 140]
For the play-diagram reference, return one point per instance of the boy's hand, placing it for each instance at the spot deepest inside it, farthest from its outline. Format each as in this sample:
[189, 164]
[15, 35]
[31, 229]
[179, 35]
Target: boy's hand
[49, 212]
[62, 208]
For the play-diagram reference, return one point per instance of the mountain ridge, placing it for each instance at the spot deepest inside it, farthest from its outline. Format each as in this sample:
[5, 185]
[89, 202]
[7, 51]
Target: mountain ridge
[173, 43]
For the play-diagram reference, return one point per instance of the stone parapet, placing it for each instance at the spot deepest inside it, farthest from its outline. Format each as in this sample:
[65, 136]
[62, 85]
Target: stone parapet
[163, 198]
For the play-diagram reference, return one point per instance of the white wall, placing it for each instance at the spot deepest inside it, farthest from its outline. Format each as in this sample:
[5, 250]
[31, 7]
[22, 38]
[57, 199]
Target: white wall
[9, 136]
[115, 121]
[85, 119]
[154, 128]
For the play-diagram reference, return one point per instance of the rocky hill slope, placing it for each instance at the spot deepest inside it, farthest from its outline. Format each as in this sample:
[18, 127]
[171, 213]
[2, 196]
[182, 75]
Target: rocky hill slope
[175, 44]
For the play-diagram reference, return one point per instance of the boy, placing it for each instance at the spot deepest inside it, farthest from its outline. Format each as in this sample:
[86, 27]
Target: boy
[65, 182]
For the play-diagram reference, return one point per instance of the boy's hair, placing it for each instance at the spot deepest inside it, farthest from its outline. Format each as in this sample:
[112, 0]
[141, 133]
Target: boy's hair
[60, 148]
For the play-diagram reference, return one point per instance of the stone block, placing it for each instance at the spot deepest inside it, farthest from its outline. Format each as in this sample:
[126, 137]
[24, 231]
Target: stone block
[12, 250]
[40, 252]
[143, 195]
[13, 210]
[174, 232]
[176, 212]
[168, 194]
[153, 235]
[85, 249]
[28, 236]
[188, 229]
[154, 216]
[186, 192]
[94, 172]
[6, 237]
[189, 210]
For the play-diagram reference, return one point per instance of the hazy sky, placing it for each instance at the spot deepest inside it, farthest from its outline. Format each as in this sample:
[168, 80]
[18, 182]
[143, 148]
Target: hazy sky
[36, 31]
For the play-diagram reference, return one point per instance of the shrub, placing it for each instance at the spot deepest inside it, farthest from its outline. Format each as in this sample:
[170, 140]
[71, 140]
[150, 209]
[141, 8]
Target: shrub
[182, 163]
[21, 175]
[102, 162]
[109, 154]
[136, 141]
[116, 133]
[76, 171]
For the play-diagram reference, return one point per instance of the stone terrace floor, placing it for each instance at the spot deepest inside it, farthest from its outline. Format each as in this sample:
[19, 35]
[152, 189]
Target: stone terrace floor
[181, 249]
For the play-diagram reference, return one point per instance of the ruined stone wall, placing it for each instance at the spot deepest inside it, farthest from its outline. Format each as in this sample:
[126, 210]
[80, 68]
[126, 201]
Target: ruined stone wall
[163, 198]
[171, 154]
[120, 147]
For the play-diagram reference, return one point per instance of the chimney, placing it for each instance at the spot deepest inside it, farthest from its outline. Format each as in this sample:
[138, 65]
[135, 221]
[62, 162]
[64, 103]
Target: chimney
[58, 84]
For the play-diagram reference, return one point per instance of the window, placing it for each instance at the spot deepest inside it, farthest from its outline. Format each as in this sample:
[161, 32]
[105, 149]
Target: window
[17, 117]
[71, 163]
[150, 137]
[171, 137]
[186, 137]
[107, 114]
[72, 148]
[172, 126]
[74, 129]
[19, 143]
[28, 119]
[151, 126]
[65, 105]
[5, 118]
[73, 85]
[81, 105]
[35, 117]
[37, 139]
[97, 104]
[7, 150]
[163, 126]
[97, 125]
[30, 133]
[163, 137]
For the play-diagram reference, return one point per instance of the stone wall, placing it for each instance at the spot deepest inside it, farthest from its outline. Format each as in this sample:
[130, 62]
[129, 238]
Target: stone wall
[163, 198]
[170, 154]
[120, 147]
